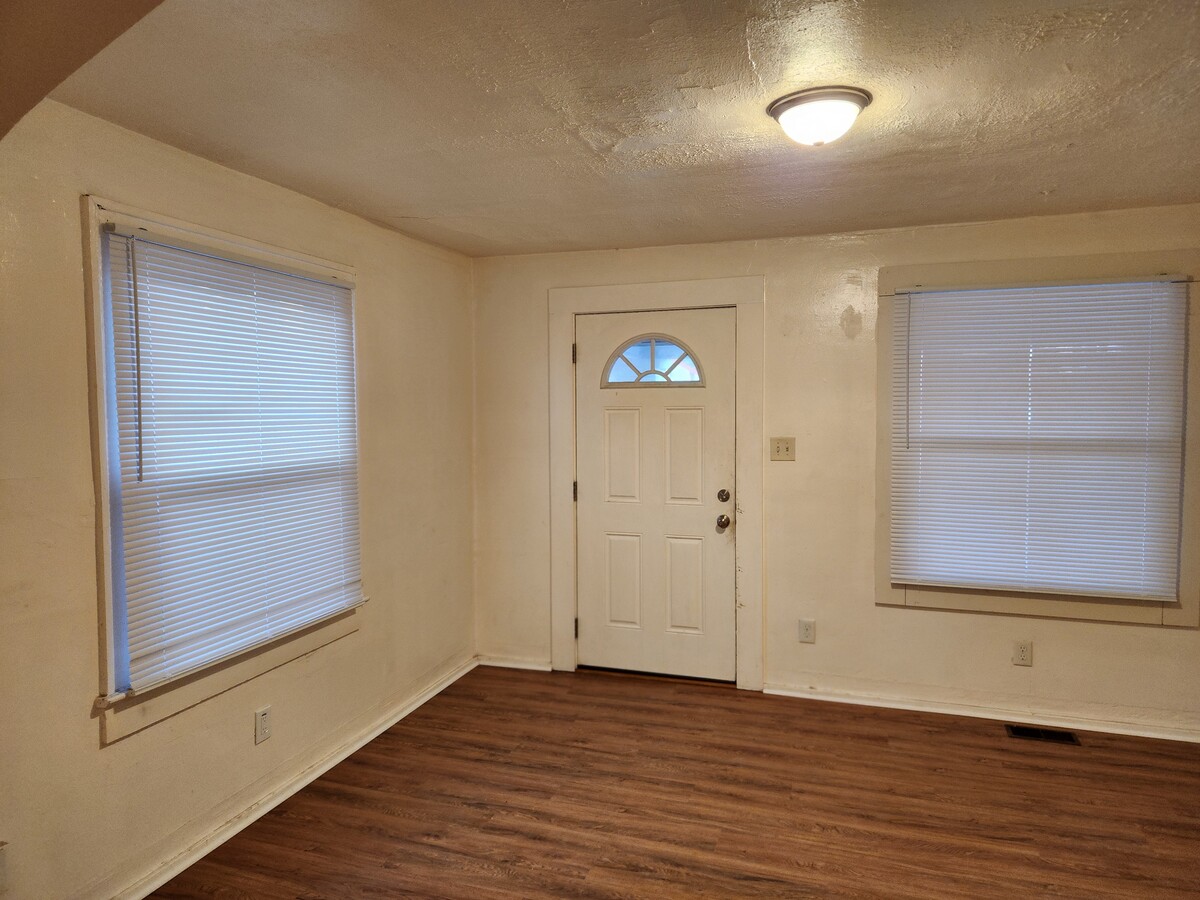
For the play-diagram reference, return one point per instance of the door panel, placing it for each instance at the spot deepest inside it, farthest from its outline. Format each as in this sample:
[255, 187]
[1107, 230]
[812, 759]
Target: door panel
[685, 455]
[685, 584]
[624, 582]
[656, 573]
[622, 454]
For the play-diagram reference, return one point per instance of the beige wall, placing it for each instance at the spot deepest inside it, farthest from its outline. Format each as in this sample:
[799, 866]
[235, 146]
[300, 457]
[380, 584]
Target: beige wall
[820, 510]
[82, 820]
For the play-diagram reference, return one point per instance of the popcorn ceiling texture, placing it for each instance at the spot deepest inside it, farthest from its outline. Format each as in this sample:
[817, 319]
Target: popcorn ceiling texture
[516, 126]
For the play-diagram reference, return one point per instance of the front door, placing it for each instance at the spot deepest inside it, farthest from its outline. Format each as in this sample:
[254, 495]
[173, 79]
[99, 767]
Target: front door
[654, 395]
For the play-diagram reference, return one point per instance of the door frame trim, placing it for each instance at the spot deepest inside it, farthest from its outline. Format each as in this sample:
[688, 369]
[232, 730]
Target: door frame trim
[747, 295]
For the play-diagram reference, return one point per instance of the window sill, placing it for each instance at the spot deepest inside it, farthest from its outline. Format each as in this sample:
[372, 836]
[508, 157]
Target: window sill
[130, 715]
[1092, 609]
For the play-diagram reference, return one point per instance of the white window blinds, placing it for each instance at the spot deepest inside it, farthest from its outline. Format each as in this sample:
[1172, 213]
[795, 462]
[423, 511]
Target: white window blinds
[233, 456]
[1037, 439]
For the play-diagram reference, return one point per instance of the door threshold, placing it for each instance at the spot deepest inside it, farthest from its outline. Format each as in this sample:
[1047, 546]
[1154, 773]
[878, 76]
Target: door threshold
[657, 676]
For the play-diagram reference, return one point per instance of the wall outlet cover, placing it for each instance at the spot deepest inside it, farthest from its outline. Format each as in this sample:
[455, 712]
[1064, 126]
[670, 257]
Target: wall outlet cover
[1022, 653]
[262, 724]
[808, 631]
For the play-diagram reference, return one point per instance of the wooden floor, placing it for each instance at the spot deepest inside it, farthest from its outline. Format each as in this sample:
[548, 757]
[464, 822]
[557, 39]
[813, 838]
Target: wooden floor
[531, 784]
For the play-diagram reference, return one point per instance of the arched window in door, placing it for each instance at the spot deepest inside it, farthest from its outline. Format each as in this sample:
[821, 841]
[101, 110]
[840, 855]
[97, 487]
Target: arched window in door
[653, 360]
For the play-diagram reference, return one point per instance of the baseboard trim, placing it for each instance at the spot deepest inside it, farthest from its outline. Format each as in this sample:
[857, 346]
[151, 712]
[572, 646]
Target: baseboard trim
[276, 795]
[515, 662]
[1083, 723]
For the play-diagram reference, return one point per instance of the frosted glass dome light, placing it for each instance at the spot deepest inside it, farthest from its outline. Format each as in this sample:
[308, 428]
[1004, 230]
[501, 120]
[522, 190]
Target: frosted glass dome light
[819, 116]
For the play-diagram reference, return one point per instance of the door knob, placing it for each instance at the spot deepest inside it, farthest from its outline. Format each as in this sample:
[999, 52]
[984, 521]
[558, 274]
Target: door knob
[722, 521]
[723, 495]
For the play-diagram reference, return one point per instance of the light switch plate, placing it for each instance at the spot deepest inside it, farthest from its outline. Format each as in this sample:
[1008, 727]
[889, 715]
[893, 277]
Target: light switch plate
[783, 449]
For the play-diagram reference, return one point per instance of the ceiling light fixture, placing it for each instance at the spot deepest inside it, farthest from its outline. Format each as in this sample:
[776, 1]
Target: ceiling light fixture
[819, 115]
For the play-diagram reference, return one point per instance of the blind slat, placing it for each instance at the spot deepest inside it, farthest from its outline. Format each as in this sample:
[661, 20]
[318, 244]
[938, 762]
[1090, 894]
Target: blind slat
[236, 457]
[1037, 439]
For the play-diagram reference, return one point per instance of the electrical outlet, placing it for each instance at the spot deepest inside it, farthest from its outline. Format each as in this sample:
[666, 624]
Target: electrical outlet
[783, 449]
[262, 724]
[808, 631]
[1022, 653]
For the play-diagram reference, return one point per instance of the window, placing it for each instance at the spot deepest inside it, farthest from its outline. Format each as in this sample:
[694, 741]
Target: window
[232, 456]
[652, 360]
[1037, 439]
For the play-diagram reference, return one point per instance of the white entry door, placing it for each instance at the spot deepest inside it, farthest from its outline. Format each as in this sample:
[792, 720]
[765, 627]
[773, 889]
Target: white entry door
[654, 398]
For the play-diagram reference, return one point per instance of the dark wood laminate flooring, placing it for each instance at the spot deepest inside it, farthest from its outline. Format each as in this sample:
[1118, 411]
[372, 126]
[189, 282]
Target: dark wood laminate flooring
[533, 784]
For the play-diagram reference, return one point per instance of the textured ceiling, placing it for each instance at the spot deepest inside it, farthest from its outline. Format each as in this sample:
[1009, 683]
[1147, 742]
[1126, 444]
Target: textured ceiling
[44, 41]
[513, 126]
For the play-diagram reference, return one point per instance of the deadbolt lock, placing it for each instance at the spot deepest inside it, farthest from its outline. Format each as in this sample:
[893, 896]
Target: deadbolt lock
[723, 495]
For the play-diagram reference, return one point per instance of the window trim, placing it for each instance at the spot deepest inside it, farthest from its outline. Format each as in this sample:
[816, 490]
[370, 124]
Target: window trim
[1103, 268]
[121, 715]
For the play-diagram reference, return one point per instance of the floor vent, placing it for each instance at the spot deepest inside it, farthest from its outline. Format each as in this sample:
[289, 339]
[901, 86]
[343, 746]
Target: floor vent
[1033, 733]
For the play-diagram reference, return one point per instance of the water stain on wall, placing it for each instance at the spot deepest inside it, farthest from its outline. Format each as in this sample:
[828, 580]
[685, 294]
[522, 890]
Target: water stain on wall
[851, 322]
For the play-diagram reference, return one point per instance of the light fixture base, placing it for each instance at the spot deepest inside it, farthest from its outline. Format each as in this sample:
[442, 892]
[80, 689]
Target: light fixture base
[829, 92]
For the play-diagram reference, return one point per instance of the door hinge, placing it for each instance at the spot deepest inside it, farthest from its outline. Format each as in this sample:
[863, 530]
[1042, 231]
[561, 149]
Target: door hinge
[574, 353]
[574, 490]
[577, 626]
